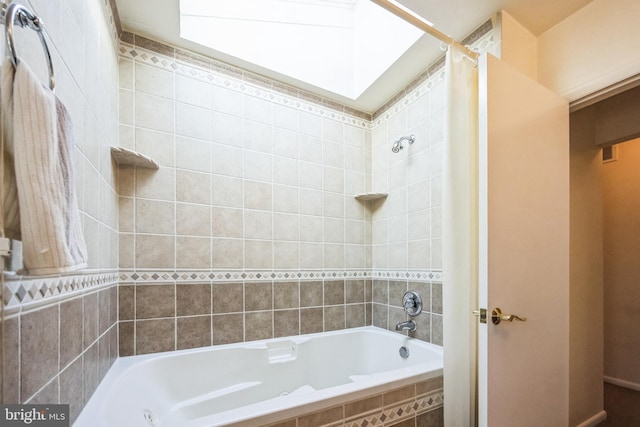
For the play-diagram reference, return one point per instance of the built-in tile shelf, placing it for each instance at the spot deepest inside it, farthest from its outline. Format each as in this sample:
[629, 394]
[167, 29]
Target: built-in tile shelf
[368, 197]
[125, 157]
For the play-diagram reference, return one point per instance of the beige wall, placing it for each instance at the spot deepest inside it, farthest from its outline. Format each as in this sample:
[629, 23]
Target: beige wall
[518, 47]
[621, 185]
[59, 333]
[592, 49]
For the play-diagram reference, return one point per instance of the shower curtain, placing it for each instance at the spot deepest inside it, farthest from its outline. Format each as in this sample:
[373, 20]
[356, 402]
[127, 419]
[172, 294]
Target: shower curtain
[460, 239]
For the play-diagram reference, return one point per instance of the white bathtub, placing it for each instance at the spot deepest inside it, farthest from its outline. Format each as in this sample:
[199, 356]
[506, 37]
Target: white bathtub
[258, 382]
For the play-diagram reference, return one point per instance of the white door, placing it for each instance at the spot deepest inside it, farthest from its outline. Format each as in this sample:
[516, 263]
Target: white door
[523, 366]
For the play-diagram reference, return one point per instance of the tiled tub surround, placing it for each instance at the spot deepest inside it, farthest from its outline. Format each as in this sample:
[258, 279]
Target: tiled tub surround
[57, 349]
[252, 177]
[387, 310]
[157, 315]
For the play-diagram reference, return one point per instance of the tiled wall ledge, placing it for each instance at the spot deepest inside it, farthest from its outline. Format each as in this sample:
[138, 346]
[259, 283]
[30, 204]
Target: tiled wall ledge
[418, 404]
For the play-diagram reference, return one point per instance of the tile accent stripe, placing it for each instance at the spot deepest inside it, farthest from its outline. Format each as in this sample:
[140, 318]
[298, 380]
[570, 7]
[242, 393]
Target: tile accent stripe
[22, 293]
[187, 276]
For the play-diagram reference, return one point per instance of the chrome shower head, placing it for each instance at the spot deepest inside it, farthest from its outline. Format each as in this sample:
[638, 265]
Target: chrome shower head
[397, 146]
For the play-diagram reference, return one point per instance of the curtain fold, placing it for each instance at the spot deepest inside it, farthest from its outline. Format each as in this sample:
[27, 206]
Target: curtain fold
[460, 239]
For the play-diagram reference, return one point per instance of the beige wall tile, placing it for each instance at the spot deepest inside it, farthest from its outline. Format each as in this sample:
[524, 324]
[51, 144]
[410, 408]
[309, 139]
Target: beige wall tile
[285, 142]
[311, 255]
[192, 187]
[228, 253]
[156, 184]
[258, 225]
[153, 80]
[333, 205]
[258, 195]
[285, 199]
[155, 251]
[193, 220]
[334, 255]
[285, 171]
[419, 254]
[311, 229]
[333, 154]
[310, 202]
[310, 176]
[310, 149]
[126, 251]
[227, 191]
[286, 255]
[258, 137]
[228, 129]
[154, 112]
[258, 254]
[193, 122]
[157, 145]
[193, 154]
[226, 160]
[193, 252]
[286, 227]
[227, 222]
[227, 101]
[155, 217]
[193, 91]
[126, 218]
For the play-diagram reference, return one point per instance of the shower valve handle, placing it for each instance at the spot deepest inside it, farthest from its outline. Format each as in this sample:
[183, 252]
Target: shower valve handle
[412, 303]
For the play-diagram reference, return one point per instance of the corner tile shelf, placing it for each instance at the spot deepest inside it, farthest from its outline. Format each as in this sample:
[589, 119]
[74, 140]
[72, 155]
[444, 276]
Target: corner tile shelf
[125, 157]
[368, 197]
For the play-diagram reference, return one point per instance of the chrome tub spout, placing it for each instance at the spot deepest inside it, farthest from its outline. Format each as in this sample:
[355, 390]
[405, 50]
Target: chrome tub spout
[409, 325]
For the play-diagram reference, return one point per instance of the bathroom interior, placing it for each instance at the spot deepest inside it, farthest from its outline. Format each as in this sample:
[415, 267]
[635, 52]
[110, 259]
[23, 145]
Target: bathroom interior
[231, 215]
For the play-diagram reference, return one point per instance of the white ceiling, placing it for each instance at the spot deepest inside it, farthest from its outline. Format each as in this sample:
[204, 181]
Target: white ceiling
[160, 20]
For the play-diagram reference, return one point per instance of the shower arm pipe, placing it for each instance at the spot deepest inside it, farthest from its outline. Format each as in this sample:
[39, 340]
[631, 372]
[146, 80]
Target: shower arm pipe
[417, 21]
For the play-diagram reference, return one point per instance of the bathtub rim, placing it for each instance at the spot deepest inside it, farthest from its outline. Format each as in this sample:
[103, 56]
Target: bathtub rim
[282, 410]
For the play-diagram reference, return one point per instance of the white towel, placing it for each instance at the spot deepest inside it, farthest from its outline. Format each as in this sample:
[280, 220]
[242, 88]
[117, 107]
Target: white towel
[39, 141]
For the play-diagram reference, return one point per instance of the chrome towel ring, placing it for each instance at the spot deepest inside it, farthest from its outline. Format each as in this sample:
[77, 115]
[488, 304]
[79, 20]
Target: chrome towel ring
[18, 14]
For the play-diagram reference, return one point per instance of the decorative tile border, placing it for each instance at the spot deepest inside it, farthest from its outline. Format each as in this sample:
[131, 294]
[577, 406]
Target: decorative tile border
[389, 415]
[403, 411]
[193, 276]
[28, 292]
[429, 275]
[244, 82]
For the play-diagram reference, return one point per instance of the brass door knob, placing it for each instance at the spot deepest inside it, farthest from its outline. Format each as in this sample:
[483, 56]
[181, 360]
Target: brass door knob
[497, 316]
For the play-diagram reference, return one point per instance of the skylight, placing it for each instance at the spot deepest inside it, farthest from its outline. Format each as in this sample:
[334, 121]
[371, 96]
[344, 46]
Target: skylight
[342, 46]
